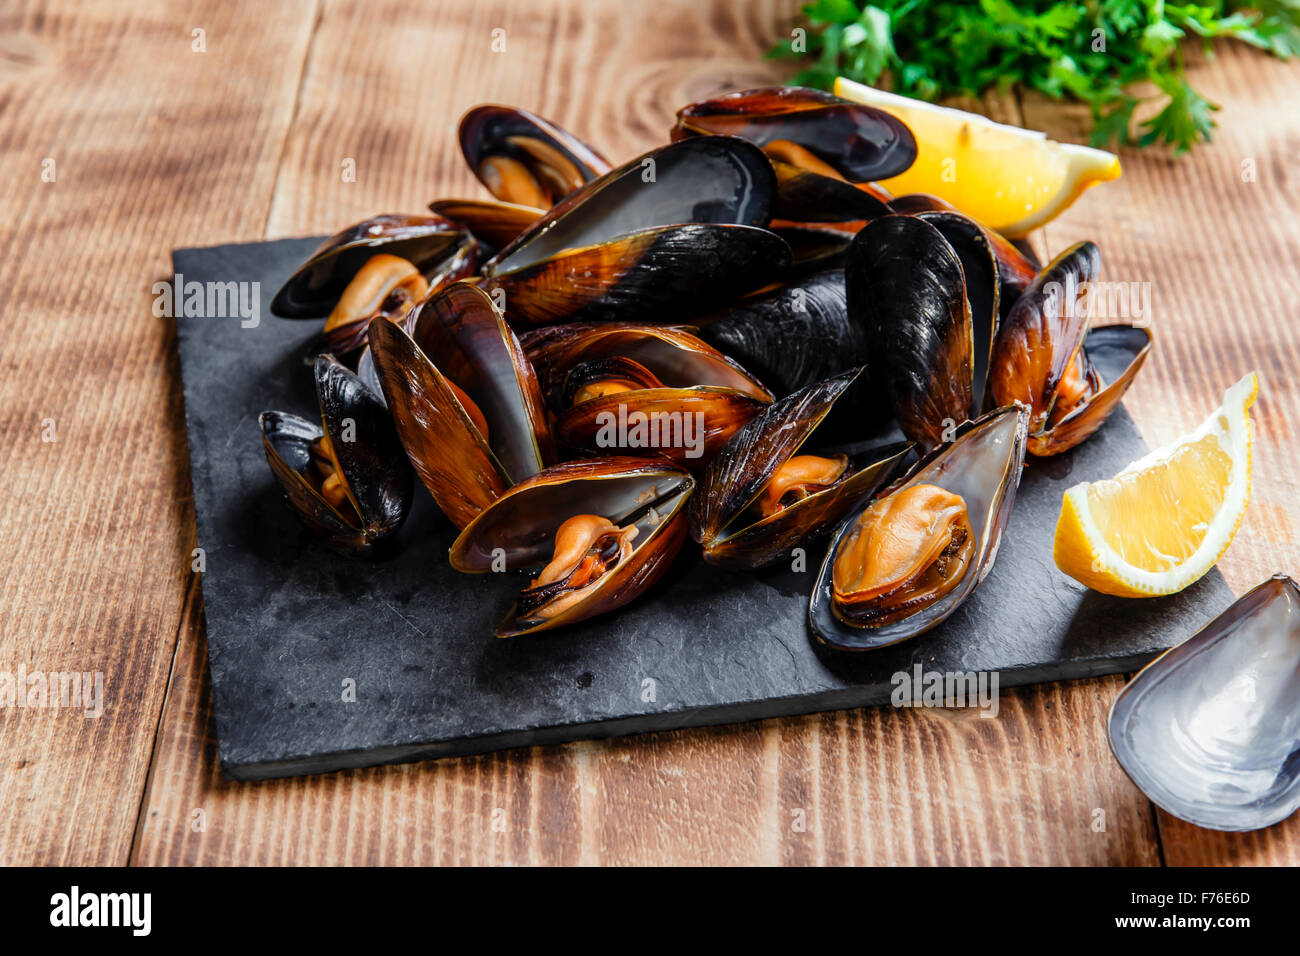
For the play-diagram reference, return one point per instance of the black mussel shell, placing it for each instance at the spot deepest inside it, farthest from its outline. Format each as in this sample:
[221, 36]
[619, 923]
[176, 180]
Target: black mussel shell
[720, 180]
[805, 196]
[859, 142]
[369, 455]
[313, 290]
[1015, 271]
[676, 231]
[907, 293]
[791, 336]
[663, 274]
[814, 248]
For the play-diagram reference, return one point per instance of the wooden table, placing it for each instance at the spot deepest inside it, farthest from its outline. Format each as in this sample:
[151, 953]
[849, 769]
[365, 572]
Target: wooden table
[155, 144]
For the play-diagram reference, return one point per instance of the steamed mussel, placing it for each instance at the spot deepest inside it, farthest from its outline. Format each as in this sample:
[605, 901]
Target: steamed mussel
[526, 162]
[346, 479]
[765, 493]
[378, 267]
[909, 558]
[1044, 355]
[523, 159]
[601, 531]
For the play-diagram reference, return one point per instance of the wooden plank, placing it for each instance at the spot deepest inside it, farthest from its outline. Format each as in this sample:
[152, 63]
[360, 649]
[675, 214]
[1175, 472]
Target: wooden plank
[154, 145]
[874, 786]
[1217, 234]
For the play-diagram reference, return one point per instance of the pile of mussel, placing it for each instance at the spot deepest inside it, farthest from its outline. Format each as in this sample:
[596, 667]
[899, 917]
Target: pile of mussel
[601, 361]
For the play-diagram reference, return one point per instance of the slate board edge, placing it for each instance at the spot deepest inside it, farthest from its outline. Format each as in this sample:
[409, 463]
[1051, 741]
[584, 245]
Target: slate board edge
[667, 720]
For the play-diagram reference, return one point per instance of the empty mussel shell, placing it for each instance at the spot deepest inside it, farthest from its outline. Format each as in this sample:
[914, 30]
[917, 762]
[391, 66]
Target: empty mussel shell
[464, 400]
[675, 232]
[1042, 354]
[314, 290]
[346, 479]
[1210, 730]
[981, 468]
[760, 496]
[524, 159]
[633, 511]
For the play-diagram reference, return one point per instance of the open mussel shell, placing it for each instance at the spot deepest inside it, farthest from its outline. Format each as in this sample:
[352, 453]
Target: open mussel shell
[461, 350]
[982, 465]
[313, 290]
[686, 426]
[364, 450]
[722, 518]
[1210, 730]
[524, 159]
[906, 292]
[520, 527]
[1045, 345]
[677, 230]
[349, 336]
[858, 142]
[675, 357]
[494, 223]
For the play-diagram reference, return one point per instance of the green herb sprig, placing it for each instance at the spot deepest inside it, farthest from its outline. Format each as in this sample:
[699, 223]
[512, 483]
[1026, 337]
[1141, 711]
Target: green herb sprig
[1094, 51]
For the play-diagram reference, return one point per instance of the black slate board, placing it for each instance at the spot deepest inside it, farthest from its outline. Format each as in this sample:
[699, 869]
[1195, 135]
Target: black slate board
[288, 621]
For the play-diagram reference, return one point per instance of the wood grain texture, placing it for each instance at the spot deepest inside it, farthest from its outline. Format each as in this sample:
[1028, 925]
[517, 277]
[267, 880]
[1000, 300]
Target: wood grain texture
[1216, 236]
[96, 526]
[166, 150]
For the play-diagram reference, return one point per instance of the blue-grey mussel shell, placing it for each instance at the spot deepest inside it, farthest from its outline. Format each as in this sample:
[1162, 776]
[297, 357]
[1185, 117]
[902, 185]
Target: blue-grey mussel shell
[1210, 730]
[365, 452]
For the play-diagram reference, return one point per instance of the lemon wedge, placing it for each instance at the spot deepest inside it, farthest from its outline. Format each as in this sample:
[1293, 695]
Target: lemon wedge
[1012, 180]
[1167, 518]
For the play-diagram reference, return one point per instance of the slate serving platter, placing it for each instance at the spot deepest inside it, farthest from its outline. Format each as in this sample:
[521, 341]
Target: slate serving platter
[290, 625]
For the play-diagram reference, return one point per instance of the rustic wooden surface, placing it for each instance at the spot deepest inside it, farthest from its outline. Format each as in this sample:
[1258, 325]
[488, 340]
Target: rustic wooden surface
[158, 146]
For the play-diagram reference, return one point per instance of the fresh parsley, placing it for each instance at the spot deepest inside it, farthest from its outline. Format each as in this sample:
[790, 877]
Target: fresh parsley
[1096, 51]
